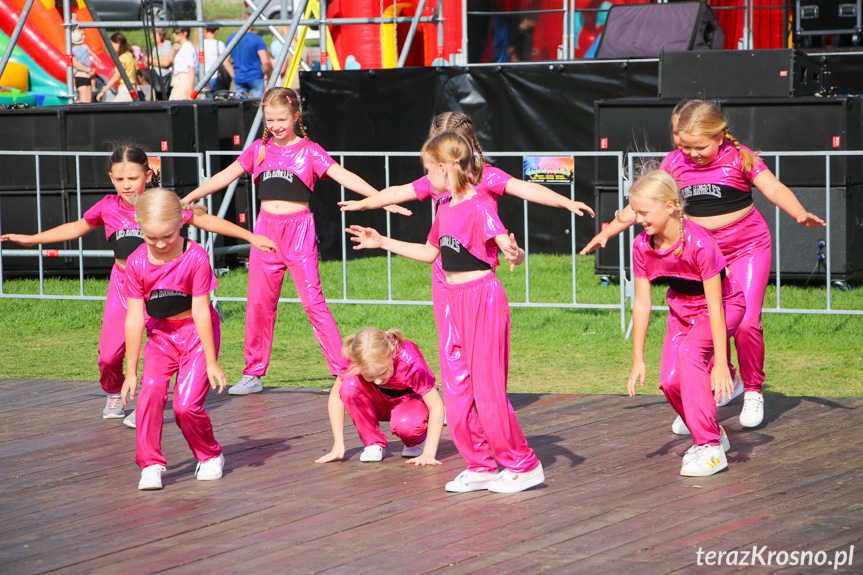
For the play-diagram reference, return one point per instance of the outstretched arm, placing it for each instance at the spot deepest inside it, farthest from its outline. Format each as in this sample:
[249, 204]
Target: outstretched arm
[336, 411]
[386, 197]
[217, 225]
[614, 228]
[221, 180]
[780, 195]
[62, 233]
[356, 184]
[368, 238]
[640, 318]
[533, 192]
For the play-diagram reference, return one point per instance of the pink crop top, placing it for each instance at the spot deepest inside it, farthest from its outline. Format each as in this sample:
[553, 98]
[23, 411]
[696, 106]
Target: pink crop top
[121, 228]
[474, 223]
[720, 187]
[411, 373]
[287, 172]
[492, 186]
[188, 276]
[701, 260]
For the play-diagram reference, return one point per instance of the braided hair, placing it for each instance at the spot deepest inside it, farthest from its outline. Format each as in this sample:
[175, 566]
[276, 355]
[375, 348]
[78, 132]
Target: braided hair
[450, 147]
[457, 122]
[660, 187]
[371, 348]
[283, 98]
[701, 118]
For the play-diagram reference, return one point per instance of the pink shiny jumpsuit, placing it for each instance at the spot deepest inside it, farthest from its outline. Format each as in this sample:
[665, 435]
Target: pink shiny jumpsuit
[474, 355]
[687, 351]
[124, 234]
[723, 187]
[296, 167]
[173, 347]
[399, 400]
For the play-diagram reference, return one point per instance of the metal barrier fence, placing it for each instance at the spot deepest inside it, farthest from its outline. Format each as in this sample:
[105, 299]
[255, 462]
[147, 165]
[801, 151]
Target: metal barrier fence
[204, 162]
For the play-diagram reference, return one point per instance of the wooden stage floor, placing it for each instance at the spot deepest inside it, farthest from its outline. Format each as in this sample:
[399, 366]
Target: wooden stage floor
[613, 501]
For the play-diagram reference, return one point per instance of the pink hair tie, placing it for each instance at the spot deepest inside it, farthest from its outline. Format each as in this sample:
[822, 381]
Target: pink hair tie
[457, 161]
[289, 99]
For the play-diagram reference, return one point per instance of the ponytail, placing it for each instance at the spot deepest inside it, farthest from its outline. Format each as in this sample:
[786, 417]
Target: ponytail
[450, 147]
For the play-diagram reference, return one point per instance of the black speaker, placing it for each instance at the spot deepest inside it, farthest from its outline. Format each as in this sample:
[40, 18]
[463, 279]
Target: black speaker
[608, 258]
[739, 74]
[820, 17]
[645, 30]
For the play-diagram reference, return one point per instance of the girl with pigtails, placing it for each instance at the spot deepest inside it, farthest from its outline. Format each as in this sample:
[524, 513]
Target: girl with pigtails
[493, 184]
[474, 322]
[285, 167]
[716, 174]
[388, 380]
[705, 308]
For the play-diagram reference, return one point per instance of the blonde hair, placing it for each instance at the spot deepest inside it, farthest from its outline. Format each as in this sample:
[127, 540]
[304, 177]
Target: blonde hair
[371, 347]
[658, 186]
[457, 122]
[450, 147]
[161, 206]
[280, 98]
[700, 118]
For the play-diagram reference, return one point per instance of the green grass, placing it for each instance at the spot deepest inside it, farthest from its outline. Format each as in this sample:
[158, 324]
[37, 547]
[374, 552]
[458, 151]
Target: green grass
[553, 350]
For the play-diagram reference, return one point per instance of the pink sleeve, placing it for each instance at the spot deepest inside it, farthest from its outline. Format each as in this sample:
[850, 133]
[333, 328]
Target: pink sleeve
[639, 269]
[708, 258]
[422, 188]
[93, 216]
[320, 159]
[759, 166]
[203, 278]
[420, 377]
[434, 233]
[666, 163]
[187, 215]
[249, 157]
[495, 180]
[491, 224]
[134, 284]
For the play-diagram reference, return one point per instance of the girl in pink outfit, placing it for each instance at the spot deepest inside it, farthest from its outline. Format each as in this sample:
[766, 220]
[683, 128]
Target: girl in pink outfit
[706, 306]
[129, 170]
[715, 174]
[171, 278]
[474, 324]
[494, 184]
[285, 167]
[389, 380]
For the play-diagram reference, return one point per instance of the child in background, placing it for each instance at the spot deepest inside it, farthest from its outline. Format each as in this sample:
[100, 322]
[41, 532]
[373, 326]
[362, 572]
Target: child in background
[82, 63]
[388, 380]
[171, 276]
[705, 307]
[474, 322]
[129, 170]
[285, 167]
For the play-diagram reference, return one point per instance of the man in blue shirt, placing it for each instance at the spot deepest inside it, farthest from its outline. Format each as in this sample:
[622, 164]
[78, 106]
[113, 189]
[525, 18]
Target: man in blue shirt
[251, 63]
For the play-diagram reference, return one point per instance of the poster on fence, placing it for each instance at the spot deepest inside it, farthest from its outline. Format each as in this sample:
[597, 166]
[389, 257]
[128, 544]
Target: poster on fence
[549, 170]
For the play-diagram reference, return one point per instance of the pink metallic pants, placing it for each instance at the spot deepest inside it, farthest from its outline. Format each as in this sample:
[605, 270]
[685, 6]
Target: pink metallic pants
[686, 356]
[746, 246]
[112, 340]
[367, 405]
[298, 253]
[173, 346]
[474, 361]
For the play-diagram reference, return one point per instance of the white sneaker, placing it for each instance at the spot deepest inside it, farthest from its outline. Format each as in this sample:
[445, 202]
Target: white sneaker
[679, 428]
[738, 389]
[707, 460]
[753, 409]
[511, 482]
[469, 480]
[372, 454]
[247, 384]
[414, 451]
[113, 407]
[151, 478]
[693, 451]
[211, 469]
[130, 420]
